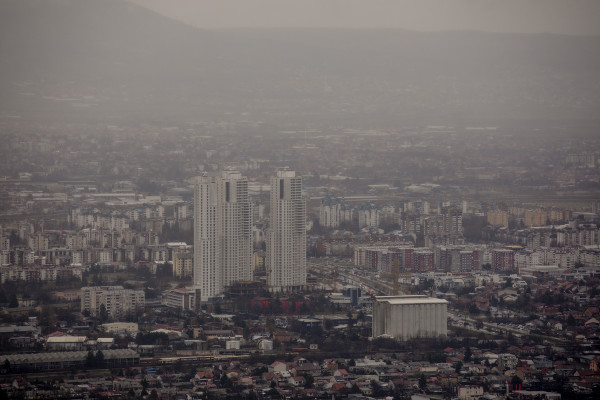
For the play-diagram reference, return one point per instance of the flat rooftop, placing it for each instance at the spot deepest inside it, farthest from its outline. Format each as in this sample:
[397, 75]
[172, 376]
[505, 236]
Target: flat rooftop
[416, 299]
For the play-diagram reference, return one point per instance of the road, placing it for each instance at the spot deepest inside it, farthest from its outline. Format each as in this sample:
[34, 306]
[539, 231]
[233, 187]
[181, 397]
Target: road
[346, 275]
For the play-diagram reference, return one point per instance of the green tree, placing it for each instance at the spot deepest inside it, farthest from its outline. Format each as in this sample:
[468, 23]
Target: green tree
[309, 380]
[473, 310]
[468, 354]
[13, 302]
[103, 315]
[225, 381]
[100, 358]
[422, 382]
[90, 360]
[458, 367]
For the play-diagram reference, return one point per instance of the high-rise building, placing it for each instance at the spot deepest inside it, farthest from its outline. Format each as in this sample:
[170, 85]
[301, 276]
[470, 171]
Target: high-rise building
[286, 239]
[369, 216]
[329, 212]
[222, 233]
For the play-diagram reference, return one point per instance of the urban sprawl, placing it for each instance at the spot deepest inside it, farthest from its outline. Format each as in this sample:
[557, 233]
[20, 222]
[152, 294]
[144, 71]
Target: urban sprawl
[215, 261]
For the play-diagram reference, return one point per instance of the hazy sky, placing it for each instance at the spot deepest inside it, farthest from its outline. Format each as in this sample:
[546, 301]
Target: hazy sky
[555, 16]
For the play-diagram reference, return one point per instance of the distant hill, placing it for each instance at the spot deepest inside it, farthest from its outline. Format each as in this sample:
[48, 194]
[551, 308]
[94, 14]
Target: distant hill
[105, 59]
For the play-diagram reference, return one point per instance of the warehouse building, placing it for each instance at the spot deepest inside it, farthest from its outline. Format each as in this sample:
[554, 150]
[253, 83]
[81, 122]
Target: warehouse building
[67, 360]
[409, 317]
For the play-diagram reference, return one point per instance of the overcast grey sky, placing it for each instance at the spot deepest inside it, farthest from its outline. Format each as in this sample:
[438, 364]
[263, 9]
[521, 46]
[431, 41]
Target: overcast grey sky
[554, 16]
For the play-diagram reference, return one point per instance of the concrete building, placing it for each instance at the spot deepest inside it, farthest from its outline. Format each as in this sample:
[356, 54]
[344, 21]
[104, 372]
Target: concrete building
[329, 212]
[222, 233]
[537, 217]
[181, 298]
[130, 328]
[68, 360]
[503, 260]
[409, 317]
[422, 260]
[117, 300]
[498, 218]
[470, 392]
[183, 263]
[66, 343]
[369, 216]
[286, 239]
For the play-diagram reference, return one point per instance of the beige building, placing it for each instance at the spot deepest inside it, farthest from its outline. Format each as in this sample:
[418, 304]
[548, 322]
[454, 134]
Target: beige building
[183, 264]
[117, 300]
[536, 217]
[498, 218]
[121, 327]
[470, 392]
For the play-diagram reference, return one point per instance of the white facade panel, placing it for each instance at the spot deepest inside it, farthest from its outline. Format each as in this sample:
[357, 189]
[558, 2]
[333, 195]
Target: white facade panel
[409, 317]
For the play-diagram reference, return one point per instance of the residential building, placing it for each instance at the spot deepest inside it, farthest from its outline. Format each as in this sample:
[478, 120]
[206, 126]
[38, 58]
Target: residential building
[117, 300]
[183, 263]
[286, 239]
[181, 298]
[503, 260]
[222, 233]
[329, 212]
[369, 216]
[498, 218]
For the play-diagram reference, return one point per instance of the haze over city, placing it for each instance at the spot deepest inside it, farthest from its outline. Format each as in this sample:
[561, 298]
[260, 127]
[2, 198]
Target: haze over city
[277, 199]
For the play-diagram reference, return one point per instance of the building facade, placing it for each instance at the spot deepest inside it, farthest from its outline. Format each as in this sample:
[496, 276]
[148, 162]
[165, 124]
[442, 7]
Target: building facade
[329, 212]
[117, 300]
[222, 233]
[409, 317]
[286, 239]
[183, 263]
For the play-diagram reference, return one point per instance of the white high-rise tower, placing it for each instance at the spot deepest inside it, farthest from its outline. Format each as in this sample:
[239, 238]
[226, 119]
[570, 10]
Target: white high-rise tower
[222, 233]
[286, 239]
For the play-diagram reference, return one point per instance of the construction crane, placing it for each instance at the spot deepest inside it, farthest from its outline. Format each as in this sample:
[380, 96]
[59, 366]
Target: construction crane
[335, 275]
[395, 273]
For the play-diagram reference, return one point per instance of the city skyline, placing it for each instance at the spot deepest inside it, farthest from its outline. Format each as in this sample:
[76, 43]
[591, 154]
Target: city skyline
[293, 199]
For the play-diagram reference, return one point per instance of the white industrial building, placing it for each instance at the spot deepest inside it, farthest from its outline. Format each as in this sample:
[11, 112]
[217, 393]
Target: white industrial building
[409, 317]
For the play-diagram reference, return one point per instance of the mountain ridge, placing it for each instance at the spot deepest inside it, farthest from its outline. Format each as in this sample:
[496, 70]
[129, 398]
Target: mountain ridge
[116, 58]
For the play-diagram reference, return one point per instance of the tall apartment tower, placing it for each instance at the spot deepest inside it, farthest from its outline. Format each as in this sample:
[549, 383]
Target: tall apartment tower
[222, 233]
[286, 238]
